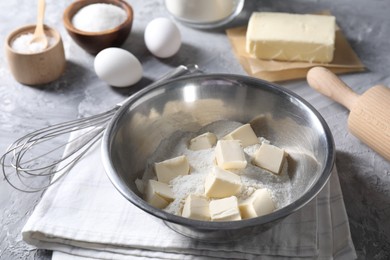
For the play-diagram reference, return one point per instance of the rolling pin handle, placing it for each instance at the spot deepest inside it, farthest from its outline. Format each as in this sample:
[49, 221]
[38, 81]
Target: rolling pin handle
[328, 84]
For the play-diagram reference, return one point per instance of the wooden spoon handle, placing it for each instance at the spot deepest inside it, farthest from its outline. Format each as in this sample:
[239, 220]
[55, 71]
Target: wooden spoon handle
[40, 18]
[328, 84]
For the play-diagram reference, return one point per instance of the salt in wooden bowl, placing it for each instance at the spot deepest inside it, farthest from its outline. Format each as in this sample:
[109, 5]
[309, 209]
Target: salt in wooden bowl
[38, 67]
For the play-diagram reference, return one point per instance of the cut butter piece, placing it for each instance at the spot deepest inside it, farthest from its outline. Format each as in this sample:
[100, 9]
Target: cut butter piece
[244, 134]
[221, 183]
[196, 207]
[159, 194]
[258, 204]
[169, 169]
[225, 209]
[230, 155]
[269, 157]
[203, 141]
[291, 37]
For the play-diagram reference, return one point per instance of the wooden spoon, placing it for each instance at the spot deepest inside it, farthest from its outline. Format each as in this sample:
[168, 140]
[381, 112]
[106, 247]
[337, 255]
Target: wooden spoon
[39, 33]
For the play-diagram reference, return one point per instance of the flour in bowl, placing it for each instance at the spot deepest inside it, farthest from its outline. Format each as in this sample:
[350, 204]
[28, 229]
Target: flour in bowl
[202, 163]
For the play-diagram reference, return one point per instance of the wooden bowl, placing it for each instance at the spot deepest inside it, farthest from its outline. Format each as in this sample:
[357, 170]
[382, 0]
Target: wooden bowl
[93, 42]
[38, 67]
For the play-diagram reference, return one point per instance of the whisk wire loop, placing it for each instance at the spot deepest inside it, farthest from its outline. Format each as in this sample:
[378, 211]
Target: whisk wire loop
[16, 160]
[25, 166]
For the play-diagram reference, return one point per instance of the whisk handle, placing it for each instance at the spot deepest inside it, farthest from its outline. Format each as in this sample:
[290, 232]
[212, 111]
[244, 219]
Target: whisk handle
[179, 71]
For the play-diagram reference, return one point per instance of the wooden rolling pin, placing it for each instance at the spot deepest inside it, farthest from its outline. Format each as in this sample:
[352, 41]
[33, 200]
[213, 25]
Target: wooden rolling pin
[369, 118]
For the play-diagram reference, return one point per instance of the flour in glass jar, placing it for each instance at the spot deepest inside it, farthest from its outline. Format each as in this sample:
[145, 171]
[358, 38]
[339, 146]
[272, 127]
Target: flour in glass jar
[202, 162]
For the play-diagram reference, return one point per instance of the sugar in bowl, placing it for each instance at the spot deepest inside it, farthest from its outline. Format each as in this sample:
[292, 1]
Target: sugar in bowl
[31, 63]
[98, 24]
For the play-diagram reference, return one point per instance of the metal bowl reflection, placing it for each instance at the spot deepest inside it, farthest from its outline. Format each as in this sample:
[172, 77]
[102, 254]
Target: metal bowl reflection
[188, 104]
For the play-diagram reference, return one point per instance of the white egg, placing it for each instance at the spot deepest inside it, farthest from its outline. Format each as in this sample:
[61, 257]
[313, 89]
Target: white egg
[118, 67]
[162, 37]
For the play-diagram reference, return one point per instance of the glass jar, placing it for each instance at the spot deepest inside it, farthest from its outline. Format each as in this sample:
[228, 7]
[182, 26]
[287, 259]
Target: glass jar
[204, 14]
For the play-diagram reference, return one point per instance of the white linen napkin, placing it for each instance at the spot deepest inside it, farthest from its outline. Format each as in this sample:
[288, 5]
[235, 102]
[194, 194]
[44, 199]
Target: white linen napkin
[82, 216]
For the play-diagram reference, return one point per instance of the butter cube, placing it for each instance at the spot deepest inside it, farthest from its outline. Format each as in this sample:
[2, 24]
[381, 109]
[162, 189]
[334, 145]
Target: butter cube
[221, 183]
[203, 141]
[230, 155]
[244, 134]
[169, 169]
[196, 207]
[269, 157]
[158, 194]
[225, 209]
[291, 37]
[258, 204]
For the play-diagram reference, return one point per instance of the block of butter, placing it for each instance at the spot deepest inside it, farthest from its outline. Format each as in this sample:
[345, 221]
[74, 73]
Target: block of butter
[291, 37]
[196, 207]
[203, 141]
[225, 209]
[230, 155]
[158, 194]
[269, 157]
[221, 183]
[169, 169]
[244, 134]
[258, 204]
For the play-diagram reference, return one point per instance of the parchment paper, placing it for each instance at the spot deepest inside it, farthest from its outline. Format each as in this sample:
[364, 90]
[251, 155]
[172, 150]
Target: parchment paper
[345, 59]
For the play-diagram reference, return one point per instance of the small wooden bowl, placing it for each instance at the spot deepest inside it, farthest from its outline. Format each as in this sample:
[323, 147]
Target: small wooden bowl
[39, 67]
[93, 42]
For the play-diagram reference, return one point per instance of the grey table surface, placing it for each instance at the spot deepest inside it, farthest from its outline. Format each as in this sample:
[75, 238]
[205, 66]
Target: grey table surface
[364, 175]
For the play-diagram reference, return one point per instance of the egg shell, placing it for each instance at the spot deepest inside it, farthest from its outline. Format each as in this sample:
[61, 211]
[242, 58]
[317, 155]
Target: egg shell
[118, 67]
[162, 37]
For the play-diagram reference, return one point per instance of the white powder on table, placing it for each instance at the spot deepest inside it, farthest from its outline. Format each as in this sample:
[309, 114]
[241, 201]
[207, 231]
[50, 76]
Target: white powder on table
[202, 162]
[22, 44]
[98, 17]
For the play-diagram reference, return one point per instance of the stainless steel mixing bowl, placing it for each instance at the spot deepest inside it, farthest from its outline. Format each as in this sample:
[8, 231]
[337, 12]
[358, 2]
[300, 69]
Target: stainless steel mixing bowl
[188, 104]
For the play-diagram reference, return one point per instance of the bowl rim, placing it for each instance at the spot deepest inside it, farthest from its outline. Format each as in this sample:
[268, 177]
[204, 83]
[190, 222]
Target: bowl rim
[77, 5]
[224, 225]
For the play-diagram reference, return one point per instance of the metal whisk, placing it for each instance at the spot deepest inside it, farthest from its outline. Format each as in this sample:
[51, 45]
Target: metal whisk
[25, 167]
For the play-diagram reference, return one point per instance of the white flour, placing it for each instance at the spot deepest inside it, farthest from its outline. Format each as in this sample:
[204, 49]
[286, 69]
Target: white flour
[202, 161]
[201, 11]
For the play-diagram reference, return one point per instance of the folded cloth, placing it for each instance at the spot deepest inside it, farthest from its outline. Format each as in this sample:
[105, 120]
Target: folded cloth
[82, 216]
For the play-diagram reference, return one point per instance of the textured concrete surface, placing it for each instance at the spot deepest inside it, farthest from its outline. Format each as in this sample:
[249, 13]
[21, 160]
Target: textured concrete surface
[364, 175]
